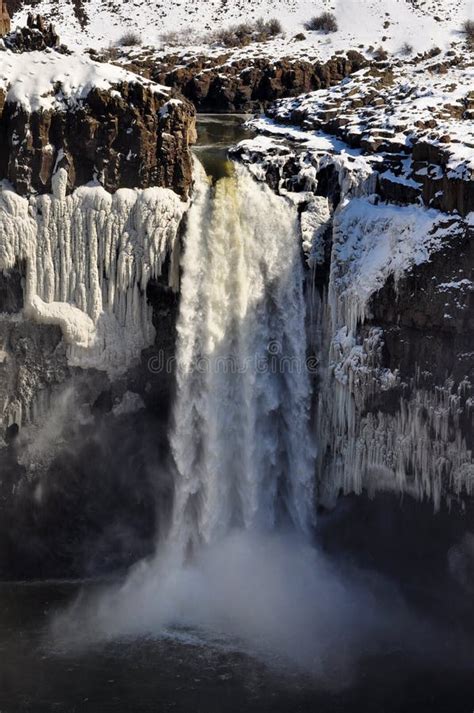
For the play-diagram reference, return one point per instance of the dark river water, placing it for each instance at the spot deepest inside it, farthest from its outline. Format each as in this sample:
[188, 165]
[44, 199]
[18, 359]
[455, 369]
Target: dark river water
[215, 134]
[184, 671]
[177, 673]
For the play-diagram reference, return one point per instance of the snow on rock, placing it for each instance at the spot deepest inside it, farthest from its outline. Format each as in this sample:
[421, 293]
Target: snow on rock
[89, 257]
[165, 109]
[373, 242]
[49, 80]
[421, 108]
[375, 429]
[408, 448]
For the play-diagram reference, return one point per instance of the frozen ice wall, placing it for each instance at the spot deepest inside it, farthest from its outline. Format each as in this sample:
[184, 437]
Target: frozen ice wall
[89, 257]
[416, 446]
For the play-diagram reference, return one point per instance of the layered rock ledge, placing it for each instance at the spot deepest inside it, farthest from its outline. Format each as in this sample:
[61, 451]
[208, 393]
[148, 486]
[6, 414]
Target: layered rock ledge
[225, 83]
[98, 122]
[414, 119]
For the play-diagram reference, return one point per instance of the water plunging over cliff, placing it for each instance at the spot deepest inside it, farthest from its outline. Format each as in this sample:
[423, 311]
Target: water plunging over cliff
[241, 437]
[236, 569]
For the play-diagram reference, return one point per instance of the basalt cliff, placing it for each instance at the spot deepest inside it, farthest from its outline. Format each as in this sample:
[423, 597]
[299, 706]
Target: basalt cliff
[96, 173]
[380, 168]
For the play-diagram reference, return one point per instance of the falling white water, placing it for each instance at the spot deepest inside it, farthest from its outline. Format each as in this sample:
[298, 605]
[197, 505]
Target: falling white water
[241, 443]
[241, 438]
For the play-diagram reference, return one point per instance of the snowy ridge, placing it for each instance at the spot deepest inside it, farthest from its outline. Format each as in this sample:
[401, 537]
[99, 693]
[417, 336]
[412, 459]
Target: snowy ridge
[99, 24]
[49, 80]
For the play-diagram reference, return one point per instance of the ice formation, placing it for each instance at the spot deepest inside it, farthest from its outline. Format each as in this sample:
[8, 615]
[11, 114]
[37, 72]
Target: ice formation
[89, 257]
[416, 446]
[412, 449]
[372, 242]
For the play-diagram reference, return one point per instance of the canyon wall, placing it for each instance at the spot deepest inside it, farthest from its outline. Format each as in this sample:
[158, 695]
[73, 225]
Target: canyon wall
[96, 170]
[390, 296]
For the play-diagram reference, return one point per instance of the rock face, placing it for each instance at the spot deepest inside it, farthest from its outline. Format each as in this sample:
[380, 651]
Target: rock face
[121, 133]
[439, 187]
[393, 264]
[428, 327]
[37, 35]
[428, 317]
[131, 138]
[220, 84]
[391, 325]
[4, 19]
[34, 361]
[420, 152]
[98, 122]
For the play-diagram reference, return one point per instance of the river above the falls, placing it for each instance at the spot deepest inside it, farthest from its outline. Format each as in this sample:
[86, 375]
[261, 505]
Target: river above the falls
[55, 655]
[216, 132]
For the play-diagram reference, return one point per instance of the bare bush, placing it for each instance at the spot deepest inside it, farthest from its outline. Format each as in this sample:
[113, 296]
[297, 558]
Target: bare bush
[111, 54]
[234, 36]
[129, 39]
[380, 54]
[406, 49]
[326, 22]
[274, 27]
[245, 33]
[468, 29]
[180, 38]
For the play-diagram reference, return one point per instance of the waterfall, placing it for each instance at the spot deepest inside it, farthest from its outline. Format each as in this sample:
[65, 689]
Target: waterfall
[241, 437]
[237, 567]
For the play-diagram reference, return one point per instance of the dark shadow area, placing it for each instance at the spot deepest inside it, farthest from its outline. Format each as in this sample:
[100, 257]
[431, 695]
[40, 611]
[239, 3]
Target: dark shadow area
[427, 554]
[404, 542]
[95, 510]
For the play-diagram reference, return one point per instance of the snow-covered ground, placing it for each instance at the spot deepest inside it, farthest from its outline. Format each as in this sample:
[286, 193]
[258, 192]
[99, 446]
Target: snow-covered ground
[49, 80]
[430, 100]
[422, 23]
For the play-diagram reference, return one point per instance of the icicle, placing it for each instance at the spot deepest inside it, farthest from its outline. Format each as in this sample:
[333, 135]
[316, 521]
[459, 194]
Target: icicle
[410, 450]
[89, 258]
